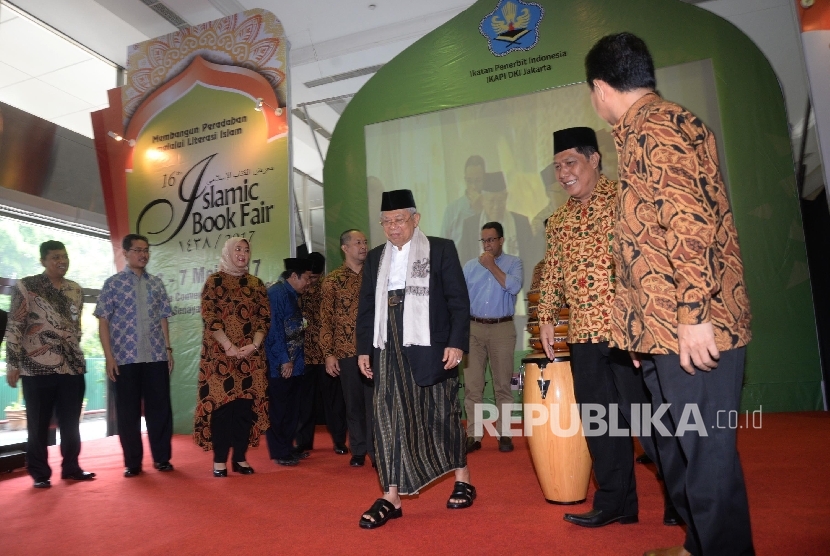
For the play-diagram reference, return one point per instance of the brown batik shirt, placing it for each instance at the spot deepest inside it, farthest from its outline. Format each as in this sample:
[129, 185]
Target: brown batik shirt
[311, 300]
[338, 314]
[44, 329]
[676, 247]
[579, 267]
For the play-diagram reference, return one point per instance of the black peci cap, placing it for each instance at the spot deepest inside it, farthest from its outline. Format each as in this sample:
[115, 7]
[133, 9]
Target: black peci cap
[574, 137]
[398, 199]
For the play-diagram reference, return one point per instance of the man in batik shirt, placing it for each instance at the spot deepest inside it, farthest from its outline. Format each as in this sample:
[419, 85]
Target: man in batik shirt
[338, 318]
[681, 303]
[132, 312]
[579, 273]
[43, 349]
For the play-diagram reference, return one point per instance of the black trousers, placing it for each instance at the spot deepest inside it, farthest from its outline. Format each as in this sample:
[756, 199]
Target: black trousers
[605, 376]
[230, 426]
[150, 383]
[358, 392]
[62, 395]
[317, 384]
[702, 469]
[283, 412]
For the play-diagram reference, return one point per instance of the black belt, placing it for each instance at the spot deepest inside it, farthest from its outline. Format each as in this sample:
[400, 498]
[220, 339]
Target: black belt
[396, 297]
[491, 321]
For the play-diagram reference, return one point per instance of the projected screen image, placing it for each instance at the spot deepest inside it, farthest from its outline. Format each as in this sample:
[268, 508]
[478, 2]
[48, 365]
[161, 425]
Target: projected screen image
[441, 156]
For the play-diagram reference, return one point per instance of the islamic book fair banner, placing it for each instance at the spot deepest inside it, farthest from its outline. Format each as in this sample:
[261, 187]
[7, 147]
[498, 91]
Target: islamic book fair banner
[194, 150]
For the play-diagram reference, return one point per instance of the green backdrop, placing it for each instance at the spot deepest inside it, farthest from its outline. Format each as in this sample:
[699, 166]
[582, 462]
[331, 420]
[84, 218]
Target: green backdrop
[783, 370]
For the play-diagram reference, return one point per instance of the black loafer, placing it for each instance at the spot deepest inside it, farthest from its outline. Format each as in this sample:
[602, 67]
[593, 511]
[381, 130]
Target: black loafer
[243, 469]
[671, 517]
[505, 444]
[43, 484]
[358, 461]
[472, 444]
[340, 449]
[132, 471]
[599, 518]
[220, 472]
[79, 476]
[288, 461]
[164, 466]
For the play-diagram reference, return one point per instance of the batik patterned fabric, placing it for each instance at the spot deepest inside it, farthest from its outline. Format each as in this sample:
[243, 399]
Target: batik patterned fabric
[238, 305]
[118, 305]
[338, 312]
[418, 432]
[676, 248]
[579, 266]
[311, 300]
[44, 330]
[286, 338]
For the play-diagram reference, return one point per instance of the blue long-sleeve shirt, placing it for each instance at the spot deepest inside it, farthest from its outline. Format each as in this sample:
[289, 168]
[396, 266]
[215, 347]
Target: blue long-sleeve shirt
[284, 342]
[488, 299]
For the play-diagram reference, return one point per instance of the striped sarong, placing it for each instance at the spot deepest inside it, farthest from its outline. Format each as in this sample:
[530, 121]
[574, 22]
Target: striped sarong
[418, 432]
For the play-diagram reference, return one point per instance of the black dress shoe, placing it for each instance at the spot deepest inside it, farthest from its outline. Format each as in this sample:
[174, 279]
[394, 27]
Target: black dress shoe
[300, 448]
[472, 444]
[132, 471]
[43, 484]
[80, 476]
[671, 517]
[599, 518]
[164, 466]
[340, 449]
[644, 459]
[242, 469]
[505, 444]
[220, 472]
[358, 461]
[288, 461]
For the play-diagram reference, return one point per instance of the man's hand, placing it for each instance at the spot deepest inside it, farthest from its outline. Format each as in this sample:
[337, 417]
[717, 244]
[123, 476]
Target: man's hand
[332, 366]
[364, 365]
[112, 368]
[697, 347]
[170, 363]
[546, 334]
[452, 357]
[487, 260]
[635, 359]
[245, 352]
[11, 377]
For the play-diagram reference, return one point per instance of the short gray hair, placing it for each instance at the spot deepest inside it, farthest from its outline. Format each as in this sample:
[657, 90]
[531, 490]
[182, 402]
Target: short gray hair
[412, 211]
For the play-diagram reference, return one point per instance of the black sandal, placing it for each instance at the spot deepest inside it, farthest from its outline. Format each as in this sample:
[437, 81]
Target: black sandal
[380, 512]
[462, 491]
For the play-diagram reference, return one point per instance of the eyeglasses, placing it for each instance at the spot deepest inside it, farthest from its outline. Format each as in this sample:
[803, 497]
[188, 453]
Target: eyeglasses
[140, 251]
[489, 240]
[395, 223]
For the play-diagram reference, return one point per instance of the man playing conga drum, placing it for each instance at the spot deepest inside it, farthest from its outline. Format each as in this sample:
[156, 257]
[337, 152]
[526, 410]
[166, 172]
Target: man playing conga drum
[579, 273]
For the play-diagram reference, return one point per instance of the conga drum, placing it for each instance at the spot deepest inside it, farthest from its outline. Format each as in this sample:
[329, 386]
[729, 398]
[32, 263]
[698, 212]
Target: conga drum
[557, 445]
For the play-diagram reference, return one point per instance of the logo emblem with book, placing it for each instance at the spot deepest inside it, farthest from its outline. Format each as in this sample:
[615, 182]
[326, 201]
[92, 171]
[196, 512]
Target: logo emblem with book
[513, 25]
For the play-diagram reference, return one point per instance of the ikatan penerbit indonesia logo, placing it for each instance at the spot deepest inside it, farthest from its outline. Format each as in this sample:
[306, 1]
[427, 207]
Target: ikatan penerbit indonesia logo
[512, 25]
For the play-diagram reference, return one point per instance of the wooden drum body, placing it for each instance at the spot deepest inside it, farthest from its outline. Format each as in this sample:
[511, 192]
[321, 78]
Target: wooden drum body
[560, 455]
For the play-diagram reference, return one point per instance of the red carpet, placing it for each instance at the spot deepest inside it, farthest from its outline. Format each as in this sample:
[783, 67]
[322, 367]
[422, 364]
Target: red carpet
[314, 508]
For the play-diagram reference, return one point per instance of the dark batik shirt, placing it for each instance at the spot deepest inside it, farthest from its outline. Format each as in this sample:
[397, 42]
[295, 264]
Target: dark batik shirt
[676, 245]
[338, 312]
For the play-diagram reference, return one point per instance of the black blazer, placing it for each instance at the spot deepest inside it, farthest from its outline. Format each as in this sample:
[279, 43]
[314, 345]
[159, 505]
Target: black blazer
[449, 313]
